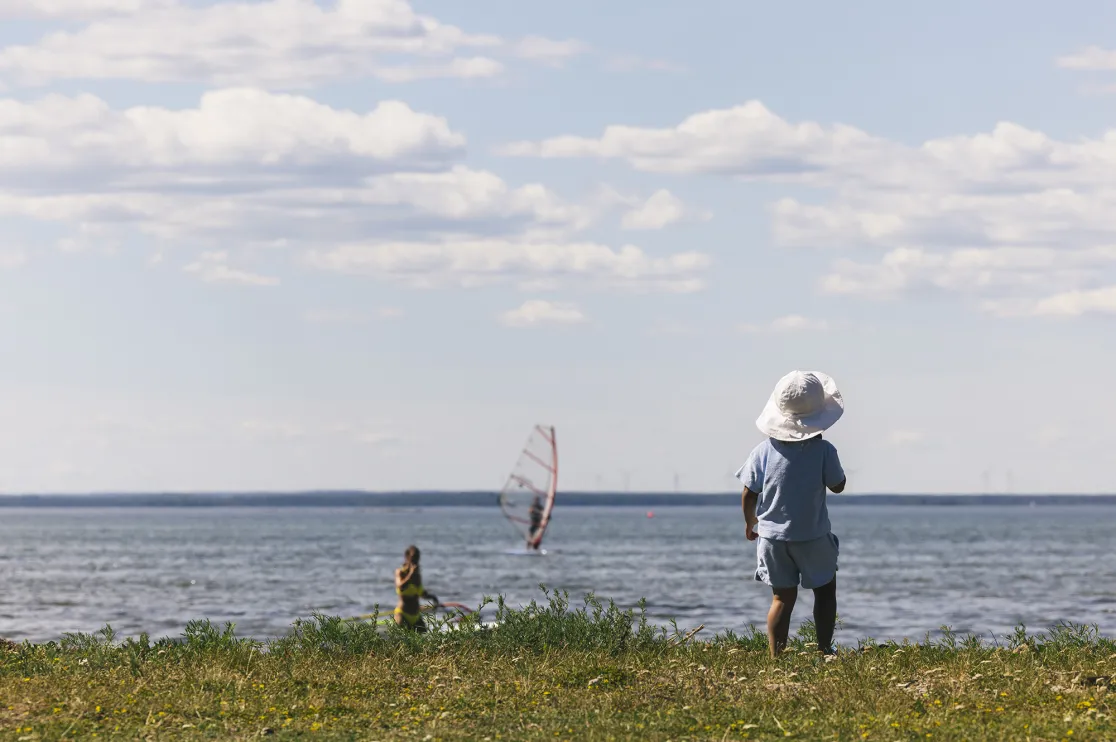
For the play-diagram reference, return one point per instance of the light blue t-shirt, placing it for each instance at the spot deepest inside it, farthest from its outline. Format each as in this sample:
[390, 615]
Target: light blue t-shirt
[790, 479]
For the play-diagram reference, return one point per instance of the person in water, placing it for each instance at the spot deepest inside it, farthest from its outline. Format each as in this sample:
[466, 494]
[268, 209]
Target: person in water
[408, 586]
[784, 501]
[536, 522]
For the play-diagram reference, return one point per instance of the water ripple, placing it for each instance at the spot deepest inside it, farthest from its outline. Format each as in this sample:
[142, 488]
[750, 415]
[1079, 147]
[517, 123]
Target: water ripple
[905, 570]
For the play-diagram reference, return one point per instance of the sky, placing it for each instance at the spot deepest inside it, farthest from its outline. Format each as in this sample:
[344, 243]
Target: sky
[280, 245]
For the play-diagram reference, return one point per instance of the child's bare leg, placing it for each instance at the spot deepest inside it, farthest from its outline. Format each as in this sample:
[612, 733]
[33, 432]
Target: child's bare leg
[825, 614]
[778, 618]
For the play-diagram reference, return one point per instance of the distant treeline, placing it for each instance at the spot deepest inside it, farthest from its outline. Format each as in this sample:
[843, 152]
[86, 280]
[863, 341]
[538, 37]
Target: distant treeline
[489, 499]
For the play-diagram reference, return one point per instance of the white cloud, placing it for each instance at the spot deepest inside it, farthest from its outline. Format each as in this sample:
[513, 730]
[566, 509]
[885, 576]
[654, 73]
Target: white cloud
[224, 174]
[971, 271]
[1074, 303]
[938, 217]
[798, 323]
[1089, 58]
[748, 140]
[284, 43]
[465, 194]
[549, 51]
[537, 312]
[299, 207]
[242, 128]
[474, 67]
[789, 323]
[661, 210]
[11, 258]
[213, 267]
[480, 262]
[1003, 217]
[73, 9]
[225, 165]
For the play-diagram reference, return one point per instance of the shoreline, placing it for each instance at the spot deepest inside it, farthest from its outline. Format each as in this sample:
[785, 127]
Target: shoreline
[361, 499]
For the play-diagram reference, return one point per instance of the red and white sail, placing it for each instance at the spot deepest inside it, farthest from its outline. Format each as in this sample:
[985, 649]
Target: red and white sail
[535, 477]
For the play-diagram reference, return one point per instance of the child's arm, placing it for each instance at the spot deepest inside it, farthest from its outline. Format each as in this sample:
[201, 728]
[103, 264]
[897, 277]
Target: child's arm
[748, 501]
[751, 475]
[834, 473]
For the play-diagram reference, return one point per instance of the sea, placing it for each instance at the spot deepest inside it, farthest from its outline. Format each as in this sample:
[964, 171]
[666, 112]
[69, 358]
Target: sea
[906, 570]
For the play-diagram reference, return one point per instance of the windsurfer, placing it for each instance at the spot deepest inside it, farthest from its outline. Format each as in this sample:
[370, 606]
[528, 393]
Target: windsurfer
[408, 586]
[536, 522]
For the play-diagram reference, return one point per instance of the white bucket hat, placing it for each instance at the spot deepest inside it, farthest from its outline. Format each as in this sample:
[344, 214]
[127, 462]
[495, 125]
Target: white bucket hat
[803, 404]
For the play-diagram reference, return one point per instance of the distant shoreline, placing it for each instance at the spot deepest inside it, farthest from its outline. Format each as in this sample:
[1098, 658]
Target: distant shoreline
[488, 499]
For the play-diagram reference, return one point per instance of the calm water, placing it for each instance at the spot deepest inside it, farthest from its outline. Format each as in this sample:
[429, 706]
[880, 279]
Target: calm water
[905, 570]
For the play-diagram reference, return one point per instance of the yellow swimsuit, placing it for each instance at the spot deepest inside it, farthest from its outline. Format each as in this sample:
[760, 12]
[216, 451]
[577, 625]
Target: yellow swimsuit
[408, 591]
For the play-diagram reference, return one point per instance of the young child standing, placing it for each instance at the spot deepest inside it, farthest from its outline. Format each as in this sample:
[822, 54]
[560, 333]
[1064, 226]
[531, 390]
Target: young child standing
[785, 479]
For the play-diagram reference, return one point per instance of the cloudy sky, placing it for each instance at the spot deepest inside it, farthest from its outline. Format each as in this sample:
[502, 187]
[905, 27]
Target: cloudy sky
[370, 243]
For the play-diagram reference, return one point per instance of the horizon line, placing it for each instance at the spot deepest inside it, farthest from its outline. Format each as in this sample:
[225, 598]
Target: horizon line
[466, 492]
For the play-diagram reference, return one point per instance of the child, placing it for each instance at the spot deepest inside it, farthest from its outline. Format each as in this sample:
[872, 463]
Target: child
[408, 586]
[785, 479]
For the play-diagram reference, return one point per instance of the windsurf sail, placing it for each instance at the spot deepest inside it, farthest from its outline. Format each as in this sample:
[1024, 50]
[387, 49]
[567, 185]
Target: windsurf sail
[527, 499]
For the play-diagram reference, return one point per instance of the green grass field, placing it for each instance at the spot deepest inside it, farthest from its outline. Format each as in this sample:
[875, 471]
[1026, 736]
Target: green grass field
[553, 673]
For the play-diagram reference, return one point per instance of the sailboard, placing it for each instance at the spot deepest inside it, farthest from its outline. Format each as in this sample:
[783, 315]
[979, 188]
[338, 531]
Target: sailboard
[527, 500]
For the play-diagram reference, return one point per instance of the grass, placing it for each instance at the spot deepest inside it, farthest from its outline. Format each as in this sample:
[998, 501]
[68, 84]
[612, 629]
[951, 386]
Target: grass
[550, 672]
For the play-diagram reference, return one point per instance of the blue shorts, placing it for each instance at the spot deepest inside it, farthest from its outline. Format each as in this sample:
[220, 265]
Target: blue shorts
[786, 563]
